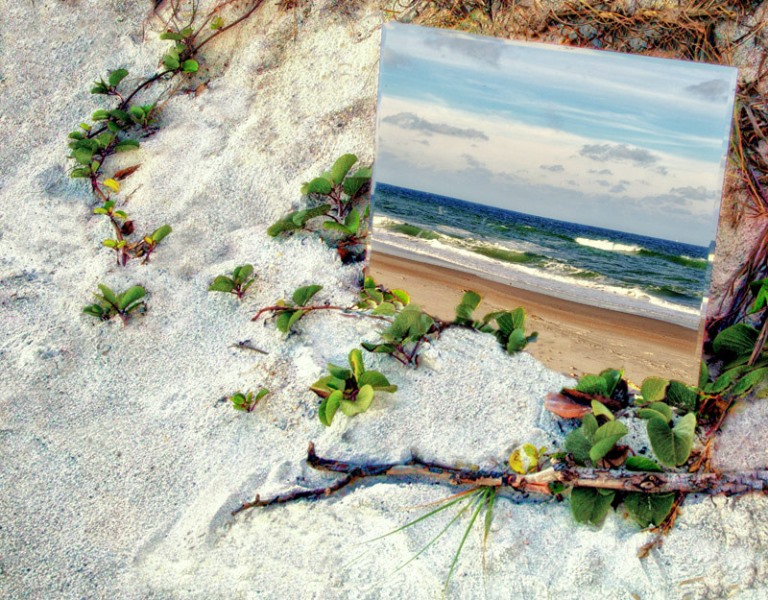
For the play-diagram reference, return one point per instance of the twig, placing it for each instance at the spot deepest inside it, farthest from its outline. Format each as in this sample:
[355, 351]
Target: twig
[560, 473]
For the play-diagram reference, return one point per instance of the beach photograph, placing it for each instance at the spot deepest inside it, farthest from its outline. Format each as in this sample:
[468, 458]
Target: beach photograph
[577, 178]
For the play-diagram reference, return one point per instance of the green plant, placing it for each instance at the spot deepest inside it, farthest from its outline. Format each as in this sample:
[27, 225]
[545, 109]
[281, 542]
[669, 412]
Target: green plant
[351, 390]
[238, 284]
[405, 335]
[510, 331]
[381, 301]
[342, 199]
[123, 228]
[592, 442]
[110, 304]
[247, 402]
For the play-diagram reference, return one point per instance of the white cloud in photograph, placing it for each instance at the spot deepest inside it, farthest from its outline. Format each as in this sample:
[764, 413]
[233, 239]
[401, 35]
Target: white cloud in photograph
[618, 141]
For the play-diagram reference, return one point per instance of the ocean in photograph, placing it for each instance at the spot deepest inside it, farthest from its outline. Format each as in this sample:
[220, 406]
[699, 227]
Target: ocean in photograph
[647, 276]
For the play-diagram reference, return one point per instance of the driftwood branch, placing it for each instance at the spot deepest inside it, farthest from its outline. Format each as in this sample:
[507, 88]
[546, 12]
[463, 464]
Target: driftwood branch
[561, 473]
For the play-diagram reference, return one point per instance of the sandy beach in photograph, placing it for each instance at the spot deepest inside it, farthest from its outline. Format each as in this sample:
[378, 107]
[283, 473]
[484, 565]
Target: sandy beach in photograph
[573, 338]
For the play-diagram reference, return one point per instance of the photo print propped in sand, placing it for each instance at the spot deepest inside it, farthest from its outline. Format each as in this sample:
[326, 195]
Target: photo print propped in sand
[581, 184]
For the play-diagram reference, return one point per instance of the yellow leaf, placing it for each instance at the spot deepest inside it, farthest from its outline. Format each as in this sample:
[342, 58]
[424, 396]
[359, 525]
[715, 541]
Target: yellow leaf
[112, 185]
[524, 459]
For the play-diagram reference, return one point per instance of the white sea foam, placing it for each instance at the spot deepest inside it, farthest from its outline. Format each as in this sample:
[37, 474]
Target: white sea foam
[607, 245]
[581, 290]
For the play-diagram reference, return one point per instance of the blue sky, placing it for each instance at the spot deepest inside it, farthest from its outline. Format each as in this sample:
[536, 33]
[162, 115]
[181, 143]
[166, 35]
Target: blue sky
[614, 140]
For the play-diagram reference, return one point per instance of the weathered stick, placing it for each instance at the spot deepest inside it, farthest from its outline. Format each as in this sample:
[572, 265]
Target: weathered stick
[561, 472]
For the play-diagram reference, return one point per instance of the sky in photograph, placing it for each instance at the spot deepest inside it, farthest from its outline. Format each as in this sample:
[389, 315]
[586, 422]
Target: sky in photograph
[613, 140]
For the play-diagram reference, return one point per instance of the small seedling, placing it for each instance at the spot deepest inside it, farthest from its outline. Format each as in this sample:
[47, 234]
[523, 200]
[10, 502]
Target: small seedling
[179, 56]
[248, 401]
[511, 324]
[148, 244]
[111, 304]
[342, 199]
[289, 313]
[238, 284]
[403, 338]
[352, 390]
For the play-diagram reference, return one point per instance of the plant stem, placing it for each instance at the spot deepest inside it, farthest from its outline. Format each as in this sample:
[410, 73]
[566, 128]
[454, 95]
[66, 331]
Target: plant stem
[347, 311]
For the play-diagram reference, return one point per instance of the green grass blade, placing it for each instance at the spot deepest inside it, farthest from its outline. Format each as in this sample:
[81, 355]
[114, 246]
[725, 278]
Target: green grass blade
[481, 501]
[489, 502]
[422, 517]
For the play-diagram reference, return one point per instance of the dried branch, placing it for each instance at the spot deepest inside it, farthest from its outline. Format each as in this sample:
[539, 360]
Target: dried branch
[561, 472]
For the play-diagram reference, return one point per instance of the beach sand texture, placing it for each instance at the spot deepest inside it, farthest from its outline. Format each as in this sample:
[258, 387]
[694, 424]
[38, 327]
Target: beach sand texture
[120, 464]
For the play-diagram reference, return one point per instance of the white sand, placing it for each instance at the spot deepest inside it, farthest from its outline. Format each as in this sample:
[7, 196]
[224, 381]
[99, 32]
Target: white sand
[120, 465]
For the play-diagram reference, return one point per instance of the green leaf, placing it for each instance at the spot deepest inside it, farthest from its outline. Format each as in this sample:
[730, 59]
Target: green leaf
[242, 273]
[171, 62]
[469, 302]
[517, 341]
[341, 167]
[161, 233]
[593, 385]
[649, 509]
[171, 35]
[663, 409]
[304, 294]
[109, 295]
[750, 380]
[641, 463]
[352, 222]
[95, 311]
[116, 113]
[576, 443]
[354, 183]
[385, 308]
[612, 377]
[672, 446]
[126, 145]
[605, 439]
[319, 185]
[334, 226]
[284, 320]
[222, 283]
[402, 296]
[356, 362]
[341, 373]
[295, 317]
[653, 389]
[116, 76]
[100, 115]
[190, 66]
[83, 156]
[760, 290]
[682, 396]
[589, 505]
[377, 381]
[328, 408]
[589, 425]
[361, 404]
[735, 340]
[703, 374]
[131, 296]
[598, 409]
